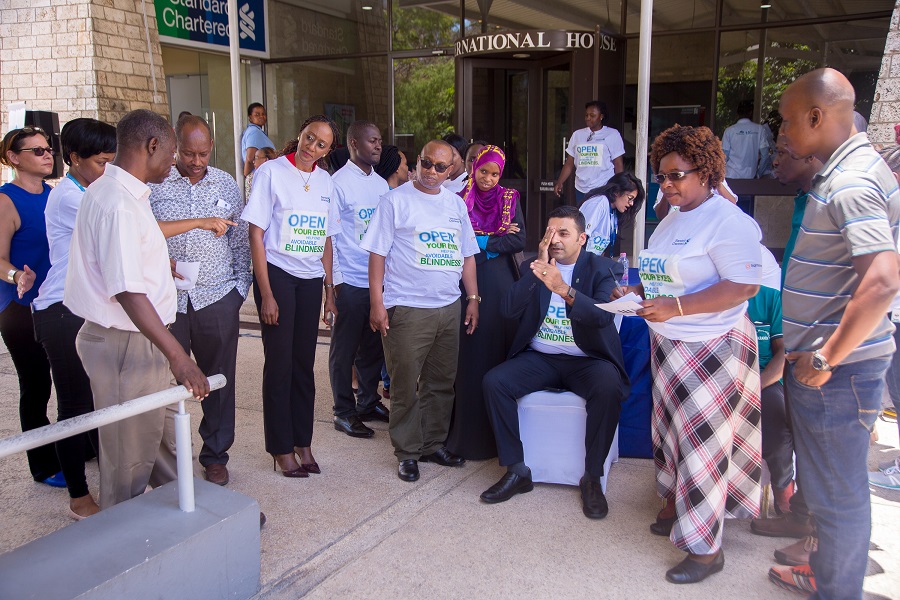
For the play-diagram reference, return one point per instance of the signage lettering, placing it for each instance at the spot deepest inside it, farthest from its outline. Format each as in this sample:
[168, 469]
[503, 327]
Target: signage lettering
[204, 24]
[532, 40]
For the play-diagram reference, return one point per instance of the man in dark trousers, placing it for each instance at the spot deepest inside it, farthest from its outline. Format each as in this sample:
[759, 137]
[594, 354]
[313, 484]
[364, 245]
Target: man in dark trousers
[563, 342]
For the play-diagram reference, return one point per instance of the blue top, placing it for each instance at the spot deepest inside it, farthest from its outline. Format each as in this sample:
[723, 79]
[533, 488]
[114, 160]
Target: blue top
[29, 244]
[254, 137]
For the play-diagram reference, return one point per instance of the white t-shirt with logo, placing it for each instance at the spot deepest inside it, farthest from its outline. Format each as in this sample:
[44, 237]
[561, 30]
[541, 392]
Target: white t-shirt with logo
[356, 195]
[555, 335]
[691, 251]
[296, 222]
[425, 238]
[594, 158]
[600, 223]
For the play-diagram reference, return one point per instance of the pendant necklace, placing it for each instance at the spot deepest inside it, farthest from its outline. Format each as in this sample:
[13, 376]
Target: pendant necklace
[306, 180]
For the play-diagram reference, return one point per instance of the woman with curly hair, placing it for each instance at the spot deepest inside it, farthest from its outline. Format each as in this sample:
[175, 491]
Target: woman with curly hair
[702, 264]
[292, 220]
[607, 207]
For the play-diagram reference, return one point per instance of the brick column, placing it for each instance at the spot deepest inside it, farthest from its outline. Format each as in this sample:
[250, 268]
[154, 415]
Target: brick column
[886, 107]
[80, 58]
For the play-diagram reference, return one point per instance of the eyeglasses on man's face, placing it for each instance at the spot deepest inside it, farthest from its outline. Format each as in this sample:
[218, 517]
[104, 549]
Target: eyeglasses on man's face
[673, 176]
[427, 164]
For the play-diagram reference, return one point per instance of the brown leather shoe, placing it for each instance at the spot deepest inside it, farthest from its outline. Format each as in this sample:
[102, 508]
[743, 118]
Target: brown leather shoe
[217, 474]
[797, 554]
[784, 526]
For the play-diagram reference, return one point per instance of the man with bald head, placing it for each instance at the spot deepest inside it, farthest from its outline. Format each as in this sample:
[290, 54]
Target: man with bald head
[839, 284]
[421, 243]
[217, 263]
[120, 283]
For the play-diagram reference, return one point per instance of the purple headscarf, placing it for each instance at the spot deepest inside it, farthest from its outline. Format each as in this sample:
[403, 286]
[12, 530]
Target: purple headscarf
[491, 212]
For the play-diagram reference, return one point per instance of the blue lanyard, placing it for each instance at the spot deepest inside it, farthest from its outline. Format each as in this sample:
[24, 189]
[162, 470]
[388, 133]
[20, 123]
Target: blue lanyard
[75, 181]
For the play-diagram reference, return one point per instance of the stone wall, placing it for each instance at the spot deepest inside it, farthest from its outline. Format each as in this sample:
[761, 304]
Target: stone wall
[80, 58]
[886, 107]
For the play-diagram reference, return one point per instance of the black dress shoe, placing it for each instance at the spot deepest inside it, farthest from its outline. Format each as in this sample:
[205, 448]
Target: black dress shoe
[691, 571]
[408, 470]
[662, 526]
[444, 457]
[593, 501]
[508, 486]
[378, 412]
[353, 427]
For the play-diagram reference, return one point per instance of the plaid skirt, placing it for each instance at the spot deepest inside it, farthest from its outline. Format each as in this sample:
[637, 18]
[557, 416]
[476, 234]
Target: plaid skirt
[706, 432]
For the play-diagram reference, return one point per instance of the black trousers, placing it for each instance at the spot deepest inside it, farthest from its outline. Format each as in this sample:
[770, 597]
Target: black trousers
[211, 333]
[777, 439]
[33, 369]
[597, 381]
[56, 328]
[354, 343]
[289, 387]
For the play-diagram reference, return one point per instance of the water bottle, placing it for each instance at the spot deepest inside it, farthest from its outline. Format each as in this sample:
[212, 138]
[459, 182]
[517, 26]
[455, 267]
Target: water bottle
[623, 260]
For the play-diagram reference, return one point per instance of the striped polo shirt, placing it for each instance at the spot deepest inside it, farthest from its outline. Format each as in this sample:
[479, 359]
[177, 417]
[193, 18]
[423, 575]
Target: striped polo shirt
[853, 209]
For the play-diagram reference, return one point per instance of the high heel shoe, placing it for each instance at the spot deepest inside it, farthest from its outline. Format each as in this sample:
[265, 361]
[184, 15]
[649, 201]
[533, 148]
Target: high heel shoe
[298, 472]
[312, 467]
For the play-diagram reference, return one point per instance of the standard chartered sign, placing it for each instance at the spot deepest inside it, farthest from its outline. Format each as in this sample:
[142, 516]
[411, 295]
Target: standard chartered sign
[204, 24]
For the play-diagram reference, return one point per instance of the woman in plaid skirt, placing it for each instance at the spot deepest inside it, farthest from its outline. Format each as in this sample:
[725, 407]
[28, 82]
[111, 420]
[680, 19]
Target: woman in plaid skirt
[702, 264]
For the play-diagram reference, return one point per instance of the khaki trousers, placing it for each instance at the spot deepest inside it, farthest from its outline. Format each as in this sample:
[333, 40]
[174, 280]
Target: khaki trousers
[135, 452]
[421, 350]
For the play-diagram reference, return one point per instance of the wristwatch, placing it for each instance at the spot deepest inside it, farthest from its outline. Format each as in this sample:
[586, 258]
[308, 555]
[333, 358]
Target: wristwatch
[474, 297]
[819, 363]
[570, 293]
[11, 276]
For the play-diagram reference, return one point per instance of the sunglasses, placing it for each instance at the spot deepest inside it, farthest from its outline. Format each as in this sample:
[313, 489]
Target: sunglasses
[673, 176]
[39, 151]
[427, 164]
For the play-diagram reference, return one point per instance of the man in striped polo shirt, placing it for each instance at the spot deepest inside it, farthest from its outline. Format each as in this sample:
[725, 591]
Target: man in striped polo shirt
[840, 282]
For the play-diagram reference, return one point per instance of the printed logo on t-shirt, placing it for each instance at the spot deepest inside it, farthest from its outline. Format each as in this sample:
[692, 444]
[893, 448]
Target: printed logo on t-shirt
[598, 243]
[303, 233]
[660, 275]
[763, 331]
[556, 328]
[361, 220]
[589, 155]
[438, 249]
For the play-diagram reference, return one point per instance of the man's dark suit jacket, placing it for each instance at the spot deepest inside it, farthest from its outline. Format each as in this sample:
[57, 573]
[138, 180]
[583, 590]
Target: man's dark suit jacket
[593, 329]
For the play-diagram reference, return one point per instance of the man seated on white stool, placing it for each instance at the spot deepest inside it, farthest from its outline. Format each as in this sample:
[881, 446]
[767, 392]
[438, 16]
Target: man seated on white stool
[563, 342]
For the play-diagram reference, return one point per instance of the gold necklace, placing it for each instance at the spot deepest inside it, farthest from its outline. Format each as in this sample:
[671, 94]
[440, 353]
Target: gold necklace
[306, 180]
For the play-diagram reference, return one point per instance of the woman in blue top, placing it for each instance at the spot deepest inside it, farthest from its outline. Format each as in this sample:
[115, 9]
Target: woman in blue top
[609, 207]
[24, 262]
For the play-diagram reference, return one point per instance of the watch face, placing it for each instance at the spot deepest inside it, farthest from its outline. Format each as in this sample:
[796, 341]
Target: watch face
[817, 363]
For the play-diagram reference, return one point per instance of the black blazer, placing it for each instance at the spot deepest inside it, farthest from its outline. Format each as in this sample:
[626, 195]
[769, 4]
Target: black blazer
[593, 329]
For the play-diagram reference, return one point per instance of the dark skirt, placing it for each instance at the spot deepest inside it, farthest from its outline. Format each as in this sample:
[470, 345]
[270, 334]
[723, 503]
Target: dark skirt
[471, 435]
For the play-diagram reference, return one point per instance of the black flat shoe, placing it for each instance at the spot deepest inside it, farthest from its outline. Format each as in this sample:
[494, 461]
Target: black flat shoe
[378, 412]
[593, 501]
[444, 457]
[508, 486]
[408, 470]
[353, 427]
[662, 527]
[691, 571]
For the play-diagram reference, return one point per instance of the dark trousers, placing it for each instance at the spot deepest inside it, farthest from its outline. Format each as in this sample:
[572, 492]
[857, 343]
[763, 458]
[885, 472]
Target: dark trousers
[354, 343]
[56, 329]
[595, 380]
[777, 440]
[33, 369]
[289, 387]
[211, 333]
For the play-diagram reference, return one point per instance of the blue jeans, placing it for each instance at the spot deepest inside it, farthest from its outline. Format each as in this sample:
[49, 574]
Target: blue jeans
[831, 438]
[893, 373]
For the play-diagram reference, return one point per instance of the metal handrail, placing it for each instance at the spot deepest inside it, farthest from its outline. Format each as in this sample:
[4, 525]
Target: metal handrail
[111, 414]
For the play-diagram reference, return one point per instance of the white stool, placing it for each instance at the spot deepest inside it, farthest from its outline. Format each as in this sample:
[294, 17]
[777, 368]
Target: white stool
[552, 426]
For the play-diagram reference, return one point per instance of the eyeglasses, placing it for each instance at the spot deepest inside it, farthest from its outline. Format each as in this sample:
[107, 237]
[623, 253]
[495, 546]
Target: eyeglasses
[427, 164]
[673, 176]
[38, 151]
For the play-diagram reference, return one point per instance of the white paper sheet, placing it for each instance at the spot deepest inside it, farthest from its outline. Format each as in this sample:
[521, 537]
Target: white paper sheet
[626, 305]
[188, 270]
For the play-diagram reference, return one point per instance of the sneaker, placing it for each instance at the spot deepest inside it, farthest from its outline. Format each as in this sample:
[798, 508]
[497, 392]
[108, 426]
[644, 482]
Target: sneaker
[889, 464]
[795, 579]
[888, 478]
[797, 554]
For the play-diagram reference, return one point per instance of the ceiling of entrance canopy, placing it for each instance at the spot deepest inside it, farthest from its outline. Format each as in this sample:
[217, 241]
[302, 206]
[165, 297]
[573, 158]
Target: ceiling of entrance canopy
[668, 15]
